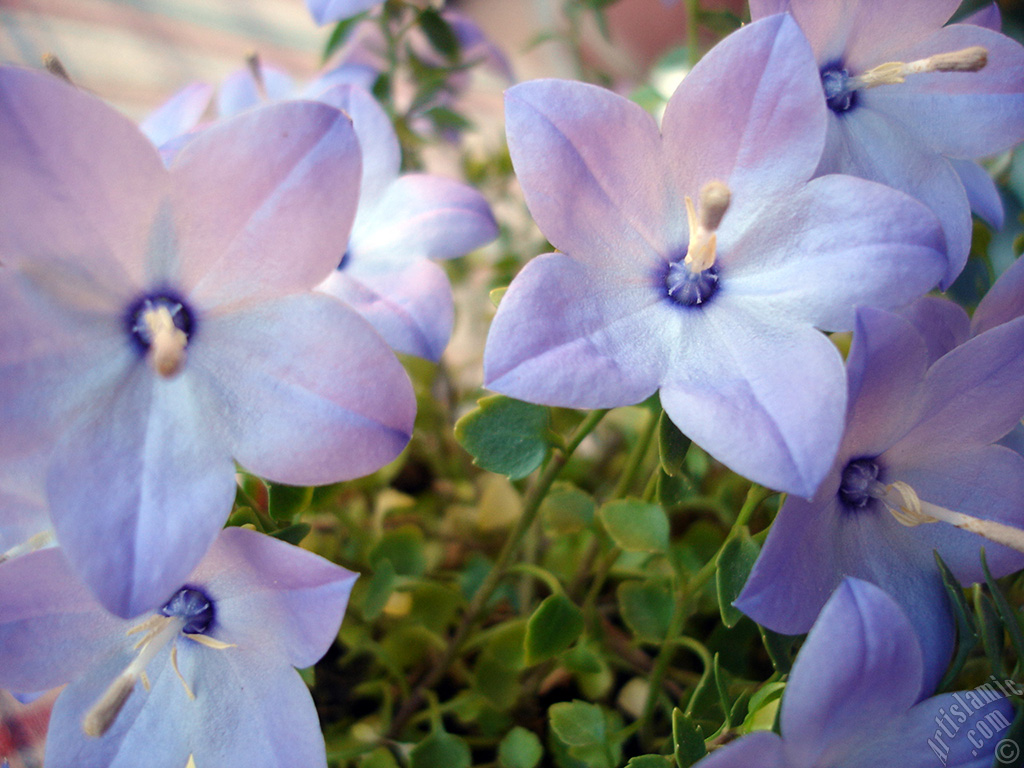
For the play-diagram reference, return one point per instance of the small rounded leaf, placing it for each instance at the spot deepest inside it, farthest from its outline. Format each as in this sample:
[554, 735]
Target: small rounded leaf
[520, 749]
[505, 436]
[636, 526]
[553, 627]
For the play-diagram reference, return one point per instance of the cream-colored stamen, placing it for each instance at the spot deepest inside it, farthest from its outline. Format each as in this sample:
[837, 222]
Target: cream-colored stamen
[160, 630]
[40, 540]
[908, 508]
[167, 342]
[970, 59]
[703, 221]
[209, 642]
[174, 663]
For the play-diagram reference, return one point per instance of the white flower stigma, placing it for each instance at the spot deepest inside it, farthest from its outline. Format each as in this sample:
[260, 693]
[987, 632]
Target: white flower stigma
[908, 508]
[40, 540]
[970, 59]
[703, 221]
[167, 342]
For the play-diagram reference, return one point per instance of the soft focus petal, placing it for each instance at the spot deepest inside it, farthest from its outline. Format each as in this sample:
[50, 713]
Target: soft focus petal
[836, 243]
[411, 308]
[270, 593]
[988, 17]
[79, 182]
[867, 143]
[265, 201]
[312, 394]
[1003, 302]
[942, 324]
[982, 192]
[580, 337]
[858, 670]
[51, 628]
[382, 154]
[328, 11]
[960, 114]
[239, 91]
[422, 216]
[152, 455]
[750, 114]
[768, 402]
[762, 749]
[179, 114]
[761, 8]
[589, 162]
[887, 361]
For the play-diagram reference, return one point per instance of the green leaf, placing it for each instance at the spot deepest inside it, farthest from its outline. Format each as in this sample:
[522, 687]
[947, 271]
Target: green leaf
[244, 516]
[649, 761]
[991, 630]
[674, 490]
[440, 34]
[404, 548]
[763, 708]
[966, 630]
[520, 749]
[687, 739]
[340, 33]
[779, 648]
[440, 750]
[293, 534]
[566, 509]
[672, 446]
[735, 562]
[646, 607]
[505, 436]
[553, 627]
[287, 501]
[636, 526]
[1006, 611]
[378, 589]
[497, 294]
[577, 723]
[379, 758]
[448, 119]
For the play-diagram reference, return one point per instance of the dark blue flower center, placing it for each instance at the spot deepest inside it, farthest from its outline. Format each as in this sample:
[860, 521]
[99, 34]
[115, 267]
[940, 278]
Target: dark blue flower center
[691, 289]
[192, 605]
[135, 317]
[858, 478]
[835, 80]
[345, 258]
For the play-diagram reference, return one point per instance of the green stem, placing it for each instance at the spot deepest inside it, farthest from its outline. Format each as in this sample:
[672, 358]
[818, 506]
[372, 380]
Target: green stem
[636, 456]
[555, 463]
[692, 27]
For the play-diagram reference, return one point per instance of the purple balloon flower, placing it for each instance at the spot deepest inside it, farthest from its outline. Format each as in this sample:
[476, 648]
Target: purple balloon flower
[918, 448]
[715, 304]
[157, 325]
[208, 675]
[911, 100]
[854, 699]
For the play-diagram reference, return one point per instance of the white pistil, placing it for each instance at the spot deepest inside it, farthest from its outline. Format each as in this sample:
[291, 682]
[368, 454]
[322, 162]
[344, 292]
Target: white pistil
[167, 342]
[970, 59]
[102, 714]
[40, 540]
[905, 505]
[713, 203]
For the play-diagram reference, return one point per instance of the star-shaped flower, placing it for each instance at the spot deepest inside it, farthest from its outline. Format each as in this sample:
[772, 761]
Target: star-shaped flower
[918, 447]
[158, 325]
[699, 261]
[209, 675]
[910, 100]
[854, 699]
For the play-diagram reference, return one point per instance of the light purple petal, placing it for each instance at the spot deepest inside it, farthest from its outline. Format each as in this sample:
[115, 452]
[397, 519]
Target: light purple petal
[269, 593]
[888, 359]
[1003, 302]
[51, 628]
[767, 401]
[972, 396]
[328, 11]
[264, 201]
[239, 91]
[79, 182]
[836, 243]
[982, 192]
[382, 154]
[311, 393]
[960, 114]
[590, 165]
[139, 486]
[942, 324]
[751, 114]
[761, 8]
[988, 17]
[411, 308]
[476, 48]
[762, 749]
[867, 143]
[577, 336]
[858, 671]
[179, 114]
[422, 216]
